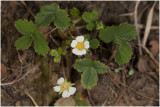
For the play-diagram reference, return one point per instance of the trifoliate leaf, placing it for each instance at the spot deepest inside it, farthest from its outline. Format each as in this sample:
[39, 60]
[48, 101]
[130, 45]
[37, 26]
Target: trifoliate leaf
[94, 43]
[90, 69]
[89, 78]
[99, 67]
[53, 52]
[25, 27]
[47, 15]
[87, 37]
[82, 65]
[107, 34]
[123, 53]
[57, 58]
[61, 19]
[40, 43]
[24, 42]
[127, 31]
[60, 51]
[74, 11]
[80, 102]
[90, 26]
[90, 17]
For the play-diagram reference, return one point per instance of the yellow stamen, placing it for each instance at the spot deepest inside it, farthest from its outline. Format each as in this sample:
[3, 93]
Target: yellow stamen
[80, 46]
[65, 86]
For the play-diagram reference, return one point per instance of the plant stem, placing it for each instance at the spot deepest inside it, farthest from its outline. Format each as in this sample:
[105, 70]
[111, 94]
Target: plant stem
[114, 53]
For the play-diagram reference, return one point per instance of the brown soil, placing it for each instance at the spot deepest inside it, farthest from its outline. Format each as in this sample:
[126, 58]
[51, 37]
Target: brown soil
[39, 74]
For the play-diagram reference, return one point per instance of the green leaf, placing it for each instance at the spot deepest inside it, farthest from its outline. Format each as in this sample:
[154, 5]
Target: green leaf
[90, 69]
[25, 27]
[94, 43]
[123, 53]
[82, 65]
[86, 37]
[57, 59]
[40, 43]
[99, 25]
[127, 31]
[74, 11]
[53, 52]
[60, 51]
[99, 67]
[24, 42]
[89, 78]
[107, 34]
[47, 15]
[90, 16]
[130, 73]
[90, 26]
[61, 20]
[80, 102]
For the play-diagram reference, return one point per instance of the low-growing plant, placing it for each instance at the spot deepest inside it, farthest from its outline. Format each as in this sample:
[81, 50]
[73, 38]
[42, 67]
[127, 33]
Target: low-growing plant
[63, 22]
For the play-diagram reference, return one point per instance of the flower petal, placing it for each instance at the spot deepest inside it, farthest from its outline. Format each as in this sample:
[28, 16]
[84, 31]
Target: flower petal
[80, 38]
[86, 44]
[75, 51]
[80, 52]
[65, 94]
[57, 88]
[61, 80]
[72, 90]
[83, 51]
[74, 43]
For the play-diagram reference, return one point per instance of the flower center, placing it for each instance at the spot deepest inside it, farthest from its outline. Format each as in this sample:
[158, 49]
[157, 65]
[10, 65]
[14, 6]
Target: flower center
[65, 86]
[80, 46]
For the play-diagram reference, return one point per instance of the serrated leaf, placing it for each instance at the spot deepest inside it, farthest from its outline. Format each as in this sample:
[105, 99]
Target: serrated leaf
[99, 67]
[57, 58]
[89, 78]
[94, 43]
[24, 42]
[90, 16]
[25, 27]
[86, 37]
[99, 25]
[53, 52]
[74, 11]
[123, 53]
[80, 102]
[82, 65]
[90, 69]
[60, 51]
[127, 31]
[40, 43]
[46, 15]
[62, 20]
[90, 26]
[107, 34]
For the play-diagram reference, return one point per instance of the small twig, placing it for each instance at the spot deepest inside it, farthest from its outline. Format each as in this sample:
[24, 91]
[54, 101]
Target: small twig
[114, 53]
[29, 10]
[148, 25]
[34, 102]
[136, 24]
[63, 70]
[127, 14]
[141, 26]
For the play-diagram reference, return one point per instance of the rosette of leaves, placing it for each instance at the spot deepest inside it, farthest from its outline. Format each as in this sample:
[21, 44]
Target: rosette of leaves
[57, 54]
[90, 70]
[90, 18]
[31, 34]
[119, 35]
[52, 13]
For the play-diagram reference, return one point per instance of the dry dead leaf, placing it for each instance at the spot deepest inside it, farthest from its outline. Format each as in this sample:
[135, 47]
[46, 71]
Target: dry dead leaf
[65, 102]
[3, 71]
[155, 47]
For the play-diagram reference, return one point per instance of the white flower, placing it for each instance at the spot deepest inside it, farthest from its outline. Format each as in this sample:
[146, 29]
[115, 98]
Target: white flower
[57, 88]
[64, 87]
[79, 46]
[61, 80]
